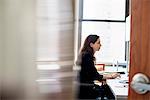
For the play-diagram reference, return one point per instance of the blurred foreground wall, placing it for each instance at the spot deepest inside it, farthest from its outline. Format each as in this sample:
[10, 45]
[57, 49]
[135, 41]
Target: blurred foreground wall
[21, 78]
[18, 49]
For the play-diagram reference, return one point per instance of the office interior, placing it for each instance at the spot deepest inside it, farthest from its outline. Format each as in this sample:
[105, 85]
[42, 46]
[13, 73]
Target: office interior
[40, 41]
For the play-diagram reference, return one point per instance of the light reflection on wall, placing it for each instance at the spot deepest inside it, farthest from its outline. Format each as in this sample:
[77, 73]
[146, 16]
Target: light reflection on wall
[48, 67]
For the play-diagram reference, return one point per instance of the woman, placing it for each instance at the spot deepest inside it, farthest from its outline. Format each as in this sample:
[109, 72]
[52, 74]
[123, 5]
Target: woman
[88, 73]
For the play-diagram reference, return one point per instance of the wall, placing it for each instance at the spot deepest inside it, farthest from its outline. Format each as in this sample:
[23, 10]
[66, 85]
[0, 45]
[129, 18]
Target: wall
[18, 49]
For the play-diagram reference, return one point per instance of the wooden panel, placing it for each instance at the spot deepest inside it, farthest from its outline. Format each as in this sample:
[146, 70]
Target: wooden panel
[140, 43]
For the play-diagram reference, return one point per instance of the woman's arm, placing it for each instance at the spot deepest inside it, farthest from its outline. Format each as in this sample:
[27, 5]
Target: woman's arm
[111, 76]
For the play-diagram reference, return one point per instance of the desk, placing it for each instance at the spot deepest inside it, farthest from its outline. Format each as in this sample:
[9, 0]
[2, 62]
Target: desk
[119, 87]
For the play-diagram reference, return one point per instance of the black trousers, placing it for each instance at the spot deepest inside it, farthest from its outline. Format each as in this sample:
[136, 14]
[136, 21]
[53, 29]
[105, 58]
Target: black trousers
[94, 92]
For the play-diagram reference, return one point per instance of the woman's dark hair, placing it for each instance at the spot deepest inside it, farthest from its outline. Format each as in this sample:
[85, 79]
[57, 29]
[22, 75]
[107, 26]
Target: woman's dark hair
[86, 45]
[87, 48]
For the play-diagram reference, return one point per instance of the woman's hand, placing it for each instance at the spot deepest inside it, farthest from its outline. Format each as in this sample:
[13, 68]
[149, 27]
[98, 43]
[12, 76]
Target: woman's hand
[111, 76]
[115, 75]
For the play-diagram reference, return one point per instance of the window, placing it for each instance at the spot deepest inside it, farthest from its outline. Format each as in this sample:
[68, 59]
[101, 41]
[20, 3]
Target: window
[106, 18]
[104, 9]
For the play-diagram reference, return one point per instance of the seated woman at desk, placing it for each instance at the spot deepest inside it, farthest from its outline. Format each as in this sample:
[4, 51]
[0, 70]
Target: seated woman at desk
[88, 73]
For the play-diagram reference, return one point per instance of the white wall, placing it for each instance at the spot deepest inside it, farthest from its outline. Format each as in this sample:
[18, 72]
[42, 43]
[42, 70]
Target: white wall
[18, 48]
[1, 31]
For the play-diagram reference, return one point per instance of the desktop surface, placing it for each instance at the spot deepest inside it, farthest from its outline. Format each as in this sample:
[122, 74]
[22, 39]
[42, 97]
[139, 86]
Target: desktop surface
[119, 86]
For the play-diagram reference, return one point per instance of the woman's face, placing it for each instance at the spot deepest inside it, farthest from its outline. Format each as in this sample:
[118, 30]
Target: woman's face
[96, 46]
